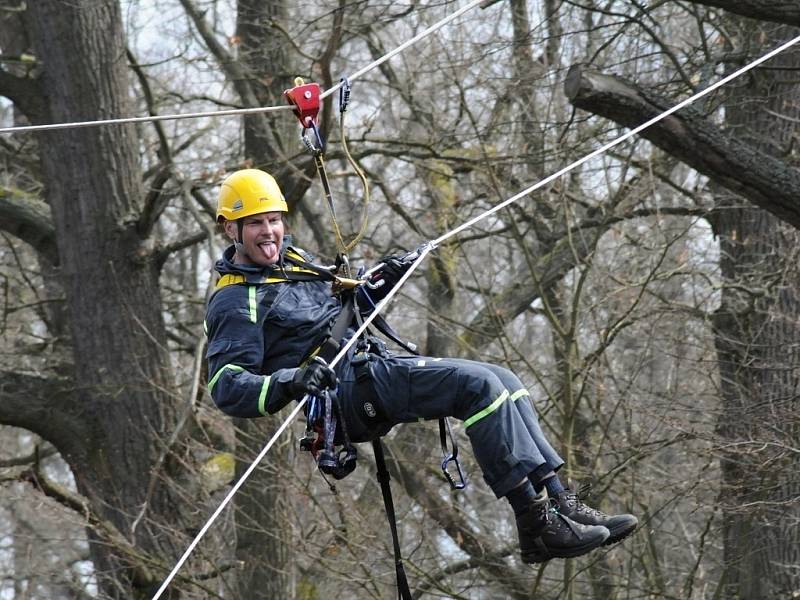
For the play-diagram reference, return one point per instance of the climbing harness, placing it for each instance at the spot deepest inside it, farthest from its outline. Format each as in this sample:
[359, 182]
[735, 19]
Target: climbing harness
[323, 414]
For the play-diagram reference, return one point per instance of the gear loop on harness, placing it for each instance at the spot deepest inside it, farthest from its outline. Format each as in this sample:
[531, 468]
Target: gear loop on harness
[449, 458]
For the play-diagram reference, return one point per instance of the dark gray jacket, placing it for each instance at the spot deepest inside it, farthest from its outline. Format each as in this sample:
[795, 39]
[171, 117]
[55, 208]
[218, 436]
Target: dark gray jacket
[258, 334]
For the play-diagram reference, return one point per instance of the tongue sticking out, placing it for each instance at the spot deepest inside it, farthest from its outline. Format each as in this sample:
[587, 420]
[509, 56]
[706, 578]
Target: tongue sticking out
[269, 251]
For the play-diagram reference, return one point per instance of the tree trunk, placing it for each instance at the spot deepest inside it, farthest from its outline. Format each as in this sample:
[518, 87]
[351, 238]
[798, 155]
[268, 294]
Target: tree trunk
[94, 188]
[757, 336]
[263, 532]
[264, 541]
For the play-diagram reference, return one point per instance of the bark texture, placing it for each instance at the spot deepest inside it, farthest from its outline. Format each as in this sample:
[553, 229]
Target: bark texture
[742, 168]
[757, 337]
[120, 395]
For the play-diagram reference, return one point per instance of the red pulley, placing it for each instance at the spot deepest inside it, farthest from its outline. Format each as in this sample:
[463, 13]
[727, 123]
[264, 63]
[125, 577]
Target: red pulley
[305, 99]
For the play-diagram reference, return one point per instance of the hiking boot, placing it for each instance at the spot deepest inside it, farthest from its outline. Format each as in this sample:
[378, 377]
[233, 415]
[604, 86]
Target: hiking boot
[544, 533]
[570, 505]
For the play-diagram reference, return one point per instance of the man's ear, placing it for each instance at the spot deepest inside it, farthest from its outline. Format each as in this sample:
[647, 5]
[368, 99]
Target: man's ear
[230, 229]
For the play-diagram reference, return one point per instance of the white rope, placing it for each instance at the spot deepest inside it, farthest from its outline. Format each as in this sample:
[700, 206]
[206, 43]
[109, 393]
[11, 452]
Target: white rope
[245, 111]
[195, 115]
[424, 252]
[376, 63]
[617, 141]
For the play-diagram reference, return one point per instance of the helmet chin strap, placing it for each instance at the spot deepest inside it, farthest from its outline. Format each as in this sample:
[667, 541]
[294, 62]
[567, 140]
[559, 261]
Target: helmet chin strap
[238, 244]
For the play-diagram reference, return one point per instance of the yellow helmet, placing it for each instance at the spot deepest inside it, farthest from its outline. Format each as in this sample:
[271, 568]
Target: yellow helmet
[249, 192]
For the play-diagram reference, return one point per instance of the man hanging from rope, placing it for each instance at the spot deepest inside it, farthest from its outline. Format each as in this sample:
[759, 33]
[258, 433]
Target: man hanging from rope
[272, 312]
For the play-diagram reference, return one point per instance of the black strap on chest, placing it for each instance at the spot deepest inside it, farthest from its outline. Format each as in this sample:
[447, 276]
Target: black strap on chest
[330, 347]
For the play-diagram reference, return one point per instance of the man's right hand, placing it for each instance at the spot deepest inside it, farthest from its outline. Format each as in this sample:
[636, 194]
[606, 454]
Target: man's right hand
[392, 268]
[312, 379]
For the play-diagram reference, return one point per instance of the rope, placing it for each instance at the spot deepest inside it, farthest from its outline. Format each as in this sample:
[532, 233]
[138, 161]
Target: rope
[77, 124]
[426, 249]
[362, 229]
[617, 141]
[423, 34]
[245, 111]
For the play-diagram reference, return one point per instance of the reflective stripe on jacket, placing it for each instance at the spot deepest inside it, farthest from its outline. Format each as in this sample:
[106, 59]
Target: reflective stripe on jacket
[259, 332]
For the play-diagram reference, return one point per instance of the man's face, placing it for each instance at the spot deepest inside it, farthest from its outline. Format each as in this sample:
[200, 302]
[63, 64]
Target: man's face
[262, 237]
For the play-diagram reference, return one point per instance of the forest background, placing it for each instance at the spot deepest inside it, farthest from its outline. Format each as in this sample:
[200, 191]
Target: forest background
[649, 299]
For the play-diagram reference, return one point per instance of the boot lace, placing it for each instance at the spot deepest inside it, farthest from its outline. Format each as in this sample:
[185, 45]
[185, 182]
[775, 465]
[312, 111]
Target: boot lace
[575, 499]
[559, 521]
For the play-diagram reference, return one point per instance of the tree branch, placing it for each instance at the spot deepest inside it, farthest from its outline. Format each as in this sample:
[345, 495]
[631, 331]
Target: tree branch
[691, 137]
[778, 11]
[156, 200]
[29, 219]
[517, 297]
[36, 455]
[164, 252]
[40, 405]
[26, 95]
[142, 576]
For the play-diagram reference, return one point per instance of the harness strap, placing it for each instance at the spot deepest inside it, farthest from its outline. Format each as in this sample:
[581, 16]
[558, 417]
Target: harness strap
[382, 325]
[403, 591]
[299, 270]
[330, 347]
[303, 265]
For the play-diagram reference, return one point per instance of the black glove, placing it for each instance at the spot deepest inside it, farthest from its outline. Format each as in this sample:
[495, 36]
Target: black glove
[393, 267]
[312, 379]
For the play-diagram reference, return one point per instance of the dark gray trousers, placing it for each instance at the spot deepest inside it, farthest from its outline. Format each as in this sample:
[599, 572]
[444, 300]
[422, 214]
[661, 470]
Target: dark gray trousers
[495, 407]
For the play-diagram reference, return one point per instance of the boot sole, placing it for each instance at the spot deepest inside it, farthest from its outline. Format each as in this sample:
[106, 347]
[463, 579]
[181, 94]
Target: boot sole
[571, 552]
[619, 536]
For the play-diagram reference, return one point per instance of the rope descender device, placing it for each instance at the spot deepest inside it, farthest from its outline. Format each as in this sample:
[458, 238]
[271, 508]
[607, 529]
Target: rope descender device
[305, 98]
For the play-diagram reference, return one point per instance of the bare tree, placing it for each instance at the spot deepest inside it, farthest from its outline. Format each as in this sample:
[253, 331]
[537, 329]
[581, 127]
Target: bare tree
[599, 291]
[754, 326]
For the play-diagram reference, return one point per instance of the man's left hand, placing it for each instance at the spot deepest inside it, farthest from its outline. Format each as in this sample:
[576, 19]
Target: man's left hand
[312, 379]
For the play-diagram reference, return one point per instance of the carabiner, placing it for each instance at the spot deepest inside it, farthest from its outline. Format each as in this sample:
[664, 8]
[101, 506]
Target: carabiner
[456, 485]
[450, 457]
[344, 94]
[316, 146]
